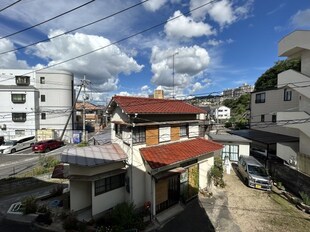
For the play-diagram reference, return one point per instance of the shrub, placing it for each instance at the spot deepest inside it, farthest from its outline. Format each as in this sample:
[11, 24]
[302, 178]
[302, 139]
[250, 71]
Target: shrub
[70, 222]
[29, 205]
[57, 190]
[45, 218]
[216, 172]
[43, 209]
[305, 198]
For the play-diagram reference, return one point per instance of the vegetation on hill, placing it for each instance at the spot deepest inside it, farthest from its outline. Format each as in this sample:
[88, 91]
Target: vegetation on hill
[268, 79]
[239, 111]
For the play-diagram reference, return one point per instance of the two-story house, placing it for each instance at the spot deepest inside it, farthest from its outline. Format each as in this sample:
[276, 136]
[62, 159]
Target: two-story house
[166, 159]
[221, 113]
[33, 100]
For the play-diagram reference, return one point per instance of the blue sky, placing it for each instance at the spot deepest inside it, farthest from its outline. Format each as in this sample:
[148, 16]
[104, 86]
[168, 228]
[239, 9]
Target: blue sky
[219, 45]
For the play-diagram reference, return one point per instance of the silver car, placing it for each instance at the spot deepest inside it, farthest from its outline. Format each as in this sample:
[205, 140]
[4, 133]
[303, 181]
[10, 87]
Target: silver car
[253, 173]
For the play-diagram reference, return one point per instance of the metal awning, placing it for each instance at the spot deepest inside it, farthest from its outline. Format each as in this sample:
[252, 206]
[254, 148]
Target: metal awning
[168, 173]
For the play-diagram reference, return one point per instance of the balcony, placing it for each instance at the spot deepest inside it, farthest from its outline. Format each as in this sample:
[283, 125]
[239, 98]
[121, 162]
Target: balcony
[298, 120]
[294, 43]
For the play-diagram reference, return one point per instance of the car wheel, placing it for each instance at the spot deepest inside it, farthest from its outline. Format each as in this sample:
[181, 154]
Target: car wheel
[47, 150]
[13, 150]
[246, 182]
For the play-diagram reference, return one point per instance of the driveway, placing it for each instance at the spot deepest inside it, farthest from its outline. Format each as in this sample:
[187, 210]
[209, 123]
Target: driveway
[239, 208]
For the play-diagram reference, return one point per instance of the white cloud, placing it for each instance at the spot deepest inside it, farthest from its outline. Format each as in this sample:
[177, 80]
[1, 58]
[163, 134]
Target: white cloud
[101, 67]
[301, 19]
[9, 60]
[223, 12]
[188, 63]
[186, 27]
[154, 5]
[214, 42]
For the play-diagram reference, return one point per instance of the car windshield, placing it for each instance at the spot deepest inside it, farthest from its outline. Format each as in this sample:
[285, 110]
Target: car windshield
[257, 170]
[10, 143]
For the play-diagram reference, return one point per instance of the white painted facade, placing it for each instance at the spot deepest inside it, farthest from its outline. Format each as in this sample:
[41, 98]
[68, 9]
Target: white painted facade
[222, 113]
[47, 101]
[291, 109]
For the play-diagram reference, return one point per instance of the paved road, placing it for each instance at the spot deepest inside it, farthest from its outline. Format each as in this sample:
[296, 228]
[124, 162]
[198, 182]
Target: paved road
[192, 219]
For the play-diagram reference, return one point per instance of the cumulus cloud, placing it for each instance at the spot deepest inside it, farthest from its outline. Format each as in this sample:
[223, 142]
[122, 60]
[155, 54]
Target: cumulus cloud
[101, 67]
[187, 62]
[154, 5]
[223, 12]
[186, 27]
[301, 19]
[9, 60]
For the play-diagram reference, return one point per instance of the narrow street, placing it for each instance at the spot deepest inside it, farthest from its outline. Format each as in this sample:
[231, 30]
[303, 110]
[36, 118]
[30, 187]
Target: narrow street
[239, 208]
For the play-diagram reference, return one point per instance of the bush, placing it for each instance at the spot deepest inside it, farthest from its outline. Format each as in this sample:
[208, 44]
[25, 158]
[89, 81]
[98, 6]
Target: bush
[305, 198]
[216, 172]
[43, 209]
[57, 190]
[29, 205]
[70, 222]
[45, 218]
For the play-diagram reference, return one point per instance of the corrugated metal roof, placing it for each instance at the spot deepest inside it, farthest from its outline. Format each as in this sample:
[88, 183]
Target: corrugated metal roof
[228, 138]
[93, 155]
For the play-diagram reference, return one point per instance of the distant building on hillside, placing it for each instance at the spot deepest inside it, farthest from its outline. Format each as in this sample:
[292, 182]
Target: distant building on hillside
[237, 92]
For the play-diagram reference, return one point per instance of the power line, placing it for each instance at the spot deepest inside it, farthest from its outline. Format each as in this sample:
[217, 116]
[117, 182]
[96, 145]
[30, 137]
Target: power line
[75, 29]
[48, 20]
[12, 4]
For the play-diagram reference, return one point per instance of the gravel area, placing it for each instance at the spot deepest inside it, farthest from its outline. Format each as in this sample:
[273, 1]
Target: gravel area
[240, 208]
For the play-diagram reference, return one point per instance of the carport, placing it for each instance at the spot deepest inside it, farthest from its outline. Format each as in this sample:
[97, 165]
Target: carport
[268, 144]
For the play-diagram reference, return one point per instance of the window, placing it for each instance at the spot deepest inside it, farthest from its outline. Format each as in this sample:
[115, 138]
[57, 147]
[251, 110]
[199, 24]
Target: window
[183, 131]
[164, 133]
[262, 118]
[19, 117]
[260, 98]
[42, 98]
[287, 95]
[109, 184]
[138, 134]
[231, 152]
[18, 98]
[274, 118]
[43, 116]
[42, 80]
[22, 80]
[118, 130]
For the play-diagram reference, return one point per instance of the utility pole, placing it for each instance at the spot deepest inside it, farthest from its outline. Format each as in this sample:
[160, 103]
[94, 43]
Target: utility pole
[85, 97]
[84, 82]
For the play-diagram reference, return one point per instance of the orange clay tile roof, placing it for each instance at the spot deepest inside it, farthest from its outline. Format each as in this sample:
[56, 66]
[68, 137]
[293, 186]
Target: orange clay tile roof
[163, 155]
[88, 106]
[143, 105]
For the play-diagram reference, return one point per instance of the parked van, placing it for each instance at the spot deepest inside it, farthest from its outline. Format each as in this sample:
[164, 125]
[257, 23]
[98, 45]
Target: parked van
[17, 144]
[254, 173]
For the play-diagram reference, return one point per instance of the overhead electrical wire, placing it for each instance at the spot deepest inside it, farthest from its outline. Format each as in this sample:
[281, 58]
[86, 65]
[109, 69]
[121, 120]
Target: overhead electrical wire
[75, 29]
[12, 4]
[48, 20]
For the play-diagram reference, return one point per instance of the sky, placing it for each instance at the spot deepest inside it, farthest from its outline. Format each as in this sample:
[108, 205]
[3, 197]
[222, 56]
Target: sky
[185, 47]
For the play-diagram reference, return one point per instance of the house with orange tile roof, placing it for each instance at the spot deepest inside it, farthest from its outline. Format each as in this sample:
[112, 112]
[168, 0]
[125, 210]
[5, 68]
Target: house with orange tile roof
[158, 157]
[168, 158]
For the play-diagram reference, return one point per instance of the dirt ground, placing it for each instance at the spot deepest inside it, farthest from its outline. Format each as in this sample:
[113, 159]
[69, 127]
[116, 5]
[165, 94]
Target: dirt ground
[240, 208]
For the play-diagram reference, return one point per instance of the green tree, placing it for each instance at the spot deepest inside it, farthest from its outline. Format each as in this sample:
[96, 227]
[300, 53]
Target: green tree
[268, 79]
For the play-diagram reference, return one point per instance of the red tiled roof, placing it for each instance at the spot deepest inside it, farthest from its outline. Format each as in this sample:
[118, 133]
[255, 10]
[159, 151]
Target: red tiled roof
[142, 105]
[163, 155]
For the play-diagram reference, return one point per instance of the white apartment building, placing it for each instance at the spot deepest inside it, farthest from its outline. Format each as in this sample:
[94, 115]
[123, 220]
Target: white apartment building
[286, 110]
[32, 100]
[222, 113]
[237, 92]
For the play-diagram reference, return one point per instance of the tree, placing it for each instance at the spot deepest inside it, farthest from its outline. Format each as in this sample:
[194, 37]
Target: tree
[269, 79]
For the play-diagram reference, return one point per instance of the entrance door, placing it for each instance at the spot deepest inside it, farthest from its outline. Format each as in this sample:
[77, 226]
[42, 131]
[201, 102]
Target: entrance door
[167, 192]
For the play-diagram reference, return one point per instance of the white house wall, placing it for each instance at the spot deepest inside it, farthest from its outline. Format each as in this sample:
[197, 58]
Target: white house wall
[204, 167]
[305, 61]
[287, 151]
[304, 142]
[244, 149]
[107, 200]
[82, 194]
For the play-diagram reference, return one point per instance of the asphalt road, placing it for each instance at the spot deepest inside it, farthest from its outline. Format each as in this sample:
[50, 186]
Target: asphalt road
[22, 161]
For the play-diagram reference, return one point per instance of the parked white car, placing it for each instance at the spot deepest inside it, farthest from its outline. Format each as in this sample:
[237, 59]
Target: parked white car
[17, 144]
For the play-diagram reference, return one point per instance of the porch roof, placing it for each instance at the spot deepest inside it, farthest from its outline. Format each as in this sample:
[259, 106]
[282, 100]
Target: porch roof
[168, 154]
[93, 155]
[264, 136]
